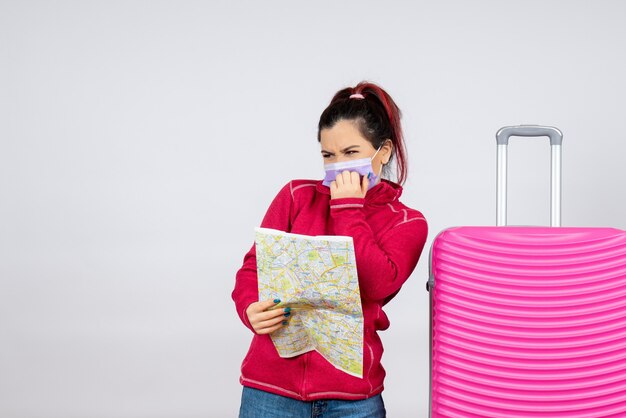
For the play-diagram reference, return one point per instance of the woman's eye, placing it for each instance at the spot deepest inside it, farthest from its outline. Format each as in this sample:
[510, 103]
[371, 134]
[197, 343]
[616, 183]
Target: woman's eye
[351, 152]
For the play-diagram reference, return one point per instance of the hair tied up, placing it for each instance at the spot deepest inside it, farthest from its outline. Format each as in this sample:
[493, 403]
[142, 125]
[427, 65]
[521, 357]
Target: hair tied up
[377, 118]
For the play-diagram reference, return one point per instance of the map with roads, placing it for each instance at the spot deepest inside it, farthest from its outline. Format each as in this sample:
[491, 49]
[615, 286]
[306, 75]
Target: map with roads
[316, 277]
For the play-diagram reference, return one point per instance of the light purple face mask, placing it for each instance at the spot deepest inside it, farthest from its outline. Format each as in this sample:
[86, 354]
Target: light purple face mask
[363, 166]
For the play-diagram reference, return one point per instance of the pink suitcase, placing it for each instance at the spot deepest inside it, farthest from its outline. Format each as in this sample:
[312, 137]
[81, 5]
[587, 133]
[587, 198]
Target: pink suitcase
[528, 321]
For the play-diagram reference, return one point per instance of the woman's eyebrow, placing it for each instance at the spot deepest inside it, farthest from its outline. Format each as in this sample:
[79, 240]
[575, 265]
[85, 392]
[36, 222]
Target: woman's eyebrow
[346, 149]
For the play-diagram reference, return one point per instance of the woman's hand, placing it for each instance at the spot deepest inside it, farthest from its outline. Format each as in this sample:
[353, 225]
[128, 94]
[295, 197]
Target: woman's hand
[348, 184]
[265, 320]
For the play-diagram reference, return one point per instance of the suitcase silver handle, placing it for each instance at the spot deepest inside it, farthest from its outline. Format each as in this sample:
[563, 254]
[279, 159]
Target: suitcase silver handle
[503, 135]
[502, 139]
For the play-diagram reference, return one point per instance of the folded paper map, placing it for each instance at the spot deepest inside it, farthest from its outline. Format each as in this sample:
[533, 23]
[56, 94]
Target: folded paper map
[316, 277]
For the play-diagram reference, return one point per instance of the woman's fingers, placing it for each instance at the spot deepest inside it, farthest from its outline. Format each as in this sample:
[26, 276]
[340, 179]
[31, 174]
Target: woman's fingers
[271, 329]
[265, 320]
[272, 313]
[355, 179]
[263, 305]
[365, 184]
[348, 184]
[348, 179]
[339, 179]
[256, 308]
[271, 325]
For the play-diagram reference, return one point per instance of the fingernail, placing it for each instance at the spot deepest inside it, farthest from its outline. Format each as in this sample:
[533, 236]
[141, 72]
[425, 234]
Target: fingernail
[276, 300]
[284, 322]
[287, 309]
[288, 313]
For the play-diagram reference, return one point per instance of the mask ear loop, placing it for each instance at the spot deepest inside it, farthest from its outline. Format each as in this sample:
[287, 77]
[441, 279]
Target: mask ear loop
[372, 159]
[381, 164]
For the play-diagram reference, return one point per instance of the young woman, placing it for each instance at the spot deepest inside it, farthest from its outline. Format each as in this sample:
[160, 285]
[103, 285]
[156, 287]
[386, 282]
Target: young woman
[360, 136]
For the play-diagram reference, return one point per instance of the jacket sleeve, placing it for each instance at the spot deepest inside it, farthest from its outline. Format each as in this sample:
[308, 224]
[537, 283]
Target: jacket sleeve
[278, 216]
[384, 265]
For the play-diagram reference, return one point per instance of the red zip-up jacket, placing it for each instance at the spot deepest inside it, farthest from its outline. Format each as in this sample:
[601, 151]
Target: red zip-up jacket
[388, 240]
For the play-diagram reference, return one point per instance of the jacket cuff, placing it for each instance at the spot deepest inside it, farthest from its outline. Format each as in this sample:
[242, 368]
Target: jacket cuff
[244, 317]
[347, 203]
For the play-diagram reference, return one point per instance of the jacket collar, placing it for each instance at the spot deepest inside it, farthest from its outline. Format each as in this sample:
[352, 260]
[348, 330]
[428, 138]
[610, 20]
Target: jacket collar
[384, 192]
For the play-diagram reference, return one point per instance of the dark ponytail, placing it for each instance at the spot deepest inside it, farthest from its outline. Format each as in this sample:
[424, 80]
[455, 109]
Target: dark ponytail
[376, 115]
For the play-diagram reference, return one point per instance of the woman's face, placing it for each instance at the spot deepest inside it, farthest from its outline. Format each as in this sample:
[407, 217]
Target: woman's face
[344, 142]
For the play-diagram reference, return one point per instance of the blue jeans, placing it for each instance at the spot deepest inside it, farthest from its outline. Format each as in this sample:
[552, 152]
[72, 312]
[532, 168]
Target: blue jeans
[260, 404]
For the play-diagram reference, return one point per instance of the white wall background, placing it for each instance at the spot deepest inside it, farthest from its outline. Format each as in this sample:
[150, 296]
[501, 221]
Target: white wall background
[141, 142]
